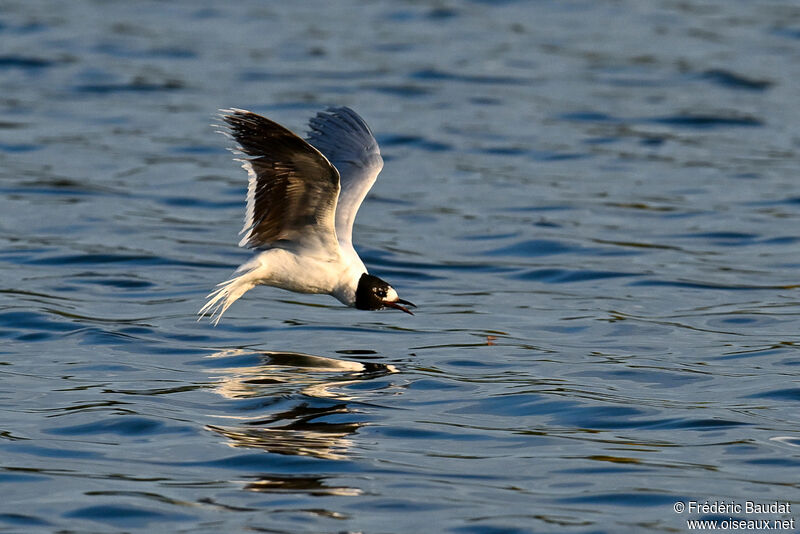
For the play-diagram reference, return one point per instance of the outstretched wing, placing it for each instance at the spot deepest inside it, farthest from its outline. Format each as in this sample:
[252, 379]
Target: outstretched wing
[346, 140]
[293, 189]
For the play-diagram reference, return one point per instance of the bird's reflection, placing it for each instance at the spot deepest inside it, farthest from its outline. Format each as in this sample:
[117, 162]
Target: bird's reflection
[313, 485]
[307, 410]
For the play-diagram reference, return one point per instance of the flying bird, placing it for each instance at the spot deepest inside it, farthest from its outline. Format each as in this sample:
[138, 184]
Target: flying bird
[302, 199]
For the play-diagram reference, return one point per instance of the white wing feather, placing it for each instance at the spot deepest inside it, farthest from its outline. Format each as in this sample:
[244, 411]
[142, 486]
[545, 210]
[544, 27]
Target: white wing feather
[345, 139]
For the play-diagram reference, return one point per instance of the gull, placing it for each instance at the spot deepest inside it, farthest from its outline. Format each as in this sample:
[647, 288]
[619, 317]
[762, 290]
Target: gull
[302, 199]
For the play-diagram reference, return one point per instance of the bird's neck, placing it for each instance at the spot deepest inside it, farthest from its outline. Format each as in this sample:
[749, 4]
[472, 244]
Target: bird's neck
[346, 291]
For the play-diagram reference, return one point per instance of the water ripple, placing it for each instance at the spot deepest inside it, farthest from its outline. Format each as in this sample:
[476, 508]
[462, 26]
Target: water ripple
[732, 80]
[565, 276]
[122, 516]
[124, 426]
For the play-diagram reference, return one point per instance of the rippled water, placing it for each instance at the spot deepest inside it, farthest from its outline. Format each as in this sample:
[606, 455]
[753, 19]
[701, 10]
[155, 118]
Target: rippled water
[594, 204]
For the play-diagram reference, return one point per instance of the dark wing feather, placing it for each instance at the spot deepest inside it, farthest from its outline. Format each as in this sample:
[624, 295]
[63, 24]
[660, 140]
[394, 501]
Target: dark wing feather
[293, 189]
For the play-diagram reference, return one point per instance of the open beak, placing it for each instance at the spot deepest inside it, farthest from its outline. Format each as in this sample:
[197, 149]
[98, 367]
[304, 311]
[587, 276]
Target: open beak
[397, 305]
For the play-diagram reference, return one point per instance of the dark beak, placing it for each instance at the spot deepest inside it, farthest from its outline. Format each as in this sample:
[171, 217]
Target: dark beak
[397, 305]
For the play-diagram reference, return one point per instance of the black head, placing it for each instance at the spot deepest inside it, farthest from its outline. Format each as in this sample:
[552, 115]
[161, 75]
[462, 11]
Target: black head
[375, 294]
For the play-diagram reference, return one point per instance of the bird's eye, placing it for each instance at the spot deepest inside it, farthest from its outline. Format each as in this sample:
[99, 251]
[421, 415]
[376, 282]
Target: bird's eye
[381, 292]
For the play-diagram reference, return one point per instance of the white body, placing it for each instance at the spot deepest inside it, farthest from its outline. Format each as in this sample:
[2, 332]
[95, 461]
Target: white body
[335, 275]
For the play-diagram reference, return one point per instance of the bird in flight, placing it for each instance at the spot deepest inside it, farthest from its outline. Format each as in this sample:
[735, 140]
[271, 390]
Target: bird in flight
[302, 199]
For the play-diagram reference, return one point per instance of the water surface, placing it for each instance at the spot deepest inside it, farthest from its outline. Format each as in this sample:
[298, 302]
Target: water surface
[594, 205]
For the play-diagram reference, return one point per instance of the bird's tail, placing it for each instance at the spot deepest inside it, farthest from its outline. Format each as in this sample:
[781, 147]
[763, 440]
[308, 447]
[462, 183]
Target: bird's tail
[227, 293]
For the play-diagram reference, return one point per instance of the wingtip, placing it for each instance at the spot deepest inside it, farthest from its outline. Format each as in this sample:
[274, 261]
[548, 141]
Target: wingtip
[234, 111]
[222, 113]
[338, 122]
[231, 116]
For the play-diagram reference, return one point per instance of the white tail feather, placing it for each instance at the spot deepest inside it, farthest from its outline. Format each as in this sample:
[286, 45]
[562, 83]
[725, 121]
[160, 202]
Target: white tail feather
[226, 294]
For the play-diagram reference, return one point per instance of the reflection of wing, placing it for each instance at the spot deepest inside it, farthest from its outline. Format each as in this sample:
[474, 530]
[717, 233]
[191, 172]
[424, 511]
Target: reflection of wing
[346, 140]
[313, 485]
[292, 192]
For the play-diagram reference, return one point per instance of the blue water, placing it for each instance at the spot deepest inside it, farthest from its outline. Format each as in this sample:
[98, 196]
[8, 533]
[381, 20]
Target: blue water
[595, 206]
